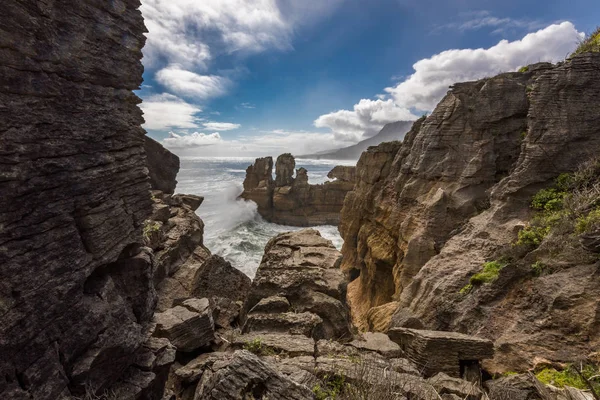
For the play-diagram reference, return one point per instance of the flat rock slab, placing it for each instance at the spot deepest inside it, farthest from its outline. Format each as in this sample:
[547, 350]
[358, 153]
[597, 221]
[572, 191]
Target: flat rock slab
[188, 327]
[378, 342]
[290, 345]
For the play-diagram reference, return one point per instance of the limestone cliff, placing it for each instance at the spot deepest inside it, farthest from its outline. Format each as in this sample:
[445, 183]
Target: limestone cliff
[76, 284]
[427, 213]
[292, 200]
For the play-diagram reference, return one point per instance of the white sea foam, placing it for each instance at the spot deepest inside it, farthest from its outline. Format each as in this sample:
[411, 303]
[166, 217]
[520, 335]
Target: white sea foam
[233, 228]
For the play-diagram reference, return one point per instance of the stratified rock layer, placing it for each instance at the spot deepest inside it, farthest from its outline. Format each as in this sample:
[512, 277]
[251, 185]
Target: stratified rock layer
[76, 290]
[163, 166]
[427, 213]
[298, 288]
[293, 201]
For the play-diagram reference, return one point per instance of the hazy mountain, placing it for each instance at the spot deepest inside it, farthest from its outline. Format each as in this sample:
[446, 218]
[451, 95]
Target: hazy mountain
[390, 132]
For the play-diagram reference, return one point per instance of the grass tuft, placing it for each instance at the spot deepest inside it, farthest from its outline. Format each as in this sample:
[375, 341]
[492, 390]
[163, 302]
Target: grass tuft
[591, 44]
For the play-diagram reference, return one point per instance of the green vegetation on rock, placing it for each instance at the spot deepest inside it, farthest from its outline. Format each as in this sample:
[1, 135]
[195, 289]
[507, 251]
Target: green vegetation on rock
[488, 274]
[591, 44]
[569, 208]
[524, 69]
[331, 388]
[569, 377]
[150, 227]
[257, 347]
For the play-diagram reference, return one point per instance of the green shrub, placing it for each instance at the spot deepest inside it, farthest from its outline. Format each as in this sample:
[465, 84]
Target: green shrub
[591, 44]
[532, 235]
[524, 69]
[548, 199]
[149, 227]
[568, 376]
[589, 222]
[466, 289]
[538, 268]
[332, 388]
[488, 274]
[257, 347]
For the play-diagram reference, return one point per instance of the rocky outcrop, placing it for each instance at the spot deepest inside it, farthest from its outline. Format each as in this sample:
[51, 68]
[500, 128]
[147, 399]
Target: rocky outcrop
[292, 200]
[163, 166]
[76, 292]
[298, 289]
[427, 213]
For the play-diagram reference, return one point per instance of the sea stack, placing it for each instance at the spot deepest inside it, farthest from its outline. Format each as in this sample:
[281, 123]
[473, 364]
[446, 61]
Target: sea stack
[290, 200]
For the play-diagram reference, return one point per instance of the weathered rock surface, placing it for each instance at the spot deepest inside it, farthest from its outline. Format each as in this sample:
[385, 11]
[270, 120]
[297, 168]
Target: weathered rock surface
[425, 214]
[303, 268]
[293, 201]
[447, 352]
[163, 166]
[188, 327]
[76, 292]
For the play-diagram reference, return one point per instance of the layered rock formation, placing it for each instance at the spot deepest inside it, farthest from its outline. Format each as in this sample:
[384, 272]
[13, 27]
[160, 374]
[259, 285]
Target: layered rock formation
[427, 213]
[75, 194]
[163, 166]
[292, 200]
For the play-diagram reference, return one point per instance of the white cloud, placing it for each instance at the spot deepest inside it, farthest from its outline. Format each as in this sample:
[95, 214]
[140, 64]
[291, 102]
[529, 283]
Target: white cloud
[193, 140]
[165, 111]
[273, 142]
[189, 32]
[247, 105]
[476, 20]
[432, 76]
[365, 120]
[187, 83]
[221, 126]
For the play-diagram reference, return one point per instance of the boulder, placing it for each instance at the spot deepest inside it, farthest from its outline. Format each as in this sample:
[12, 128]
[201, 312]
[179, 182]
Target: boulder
[189, 200]
[446, 385]
[379, 343]
[343, 173]
[188, 327]
[275, 343]
[301, 267]
[448, 352]
[243, 375]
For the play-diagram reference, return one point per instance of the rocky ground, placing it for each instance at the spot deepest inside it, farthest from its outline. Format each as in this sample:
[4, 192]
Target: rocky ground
[290, 200]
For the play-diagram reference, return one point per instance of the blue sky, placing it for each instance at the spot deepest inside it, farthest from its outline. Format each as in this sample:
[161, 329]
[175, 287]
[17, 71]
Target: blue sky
[235, 77]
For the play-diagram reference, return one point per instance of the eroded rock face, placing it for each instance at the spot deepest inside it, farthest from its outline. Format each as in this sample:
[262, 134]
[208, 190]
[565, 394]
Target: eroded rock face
[75, 194]
[427, 213]
[163, 166]
[293, 201]
[300, 274]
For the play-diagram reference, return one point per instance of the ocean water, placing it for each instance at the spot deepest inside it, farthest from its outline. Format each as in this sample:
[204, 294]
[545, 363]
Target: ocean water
[233, 228]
